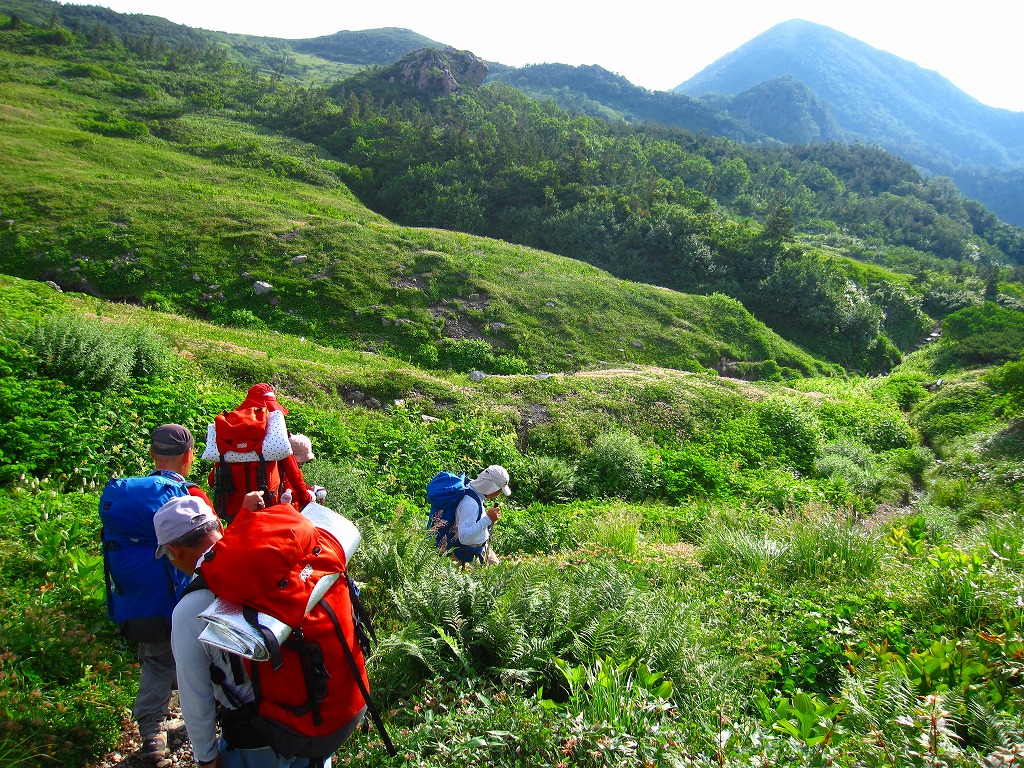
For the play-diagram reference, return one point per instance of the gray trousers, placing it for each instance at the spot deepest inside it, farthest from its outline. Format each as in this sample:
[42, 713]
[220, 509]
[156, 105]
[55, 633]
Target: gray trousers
[155, 685]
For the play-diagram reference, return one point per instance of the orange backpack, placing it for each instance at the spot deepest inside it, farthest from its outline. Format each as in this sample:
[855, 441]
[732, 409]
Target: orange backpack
[246, 444]
[313, 691]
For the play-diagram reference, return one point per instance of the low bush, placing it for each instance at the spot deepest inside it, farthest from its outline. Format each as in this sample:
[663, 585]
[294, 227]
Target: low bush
[617, 464]
[539, 530]
[693, 473]
[546, 479]
[985, 334]
[905, 390]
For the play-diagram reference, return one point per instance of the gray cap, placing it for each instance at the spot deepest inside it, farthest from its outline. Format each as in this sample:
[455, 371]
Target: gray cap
[171, 440]
[180, 516]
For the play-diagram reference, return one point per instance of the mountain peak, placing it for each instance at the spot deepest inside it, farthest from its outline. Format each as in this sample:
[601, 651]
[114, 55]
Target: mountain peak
[874, 96]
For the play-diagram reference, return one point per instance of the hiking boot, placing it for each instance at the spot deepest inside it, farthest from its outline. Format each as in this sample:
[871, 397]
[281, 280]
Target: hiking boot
[154, 748]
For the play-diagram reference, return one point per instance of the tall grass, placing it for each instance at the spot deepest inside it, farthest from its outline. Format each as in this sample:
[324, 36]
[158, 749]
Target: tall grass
[742, 550]
[830, 549]
[816, 550]
[619, 530]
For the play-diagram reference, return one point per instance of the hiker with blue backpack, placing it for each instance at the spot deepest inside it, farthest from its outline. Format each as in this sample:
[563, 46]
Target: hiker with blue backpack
[460, 524]
[142, 591]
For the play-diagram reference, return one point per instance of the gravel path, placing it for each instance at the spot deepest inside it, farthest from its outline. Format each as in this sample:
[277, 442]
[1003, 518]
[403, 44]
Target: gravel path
[127, 754]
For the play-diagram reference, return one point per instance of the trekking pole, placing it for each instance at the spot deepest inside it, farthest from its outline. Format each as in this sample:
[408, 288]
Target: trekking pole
[487, 544]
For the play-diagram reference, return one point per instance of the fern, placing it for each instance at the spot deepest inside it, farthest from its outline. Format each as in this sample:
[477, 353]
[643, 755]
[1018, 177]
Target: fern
[97, 355]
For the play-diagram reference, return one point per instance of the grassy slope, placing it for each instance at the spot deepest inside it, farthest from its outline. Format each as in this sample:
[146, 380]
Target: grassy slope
[141, 218]
[317, 374]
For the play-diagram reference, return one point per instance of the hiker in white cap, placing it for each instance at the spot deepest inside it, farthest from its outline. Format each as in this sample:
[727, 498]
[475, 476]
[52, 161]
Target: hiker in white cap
[474, 528]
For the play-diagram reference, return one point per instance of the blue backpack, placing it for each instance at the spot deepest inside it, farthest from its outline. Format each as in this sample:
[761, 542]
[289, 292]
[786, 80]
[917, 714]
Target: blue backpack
[141, 590]
[444, 492]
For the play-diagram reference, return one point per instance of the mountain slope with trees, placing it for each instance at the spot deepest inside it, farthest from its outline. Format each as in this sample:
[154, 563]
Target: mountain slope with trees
[123, 182]
[879, 98]
[422, 143]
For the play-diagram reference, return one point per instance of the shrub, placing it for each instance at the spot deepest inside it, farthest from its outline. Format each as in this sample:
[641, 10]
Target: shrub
[464, 354]
[546, 479]
[912, 462]
[1009, 379]
[158, 301]
[693, 473]
[509, 365]
[905, 390]
[117, 127]
[852, 463]
[793, 431]
[985, 334]
[427, 356]
[955, 410]
[348, 491]
[879, 426]
[244, 318]
[617, 464]
[538, 529]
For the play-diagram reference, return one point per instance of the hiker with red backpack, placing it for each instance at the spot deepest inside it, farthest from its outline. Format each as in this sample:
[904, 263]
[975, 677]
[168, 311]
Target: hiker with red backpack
[251, 451]
[187, 530]
[141, 592]
[285, 580]
[458, 520]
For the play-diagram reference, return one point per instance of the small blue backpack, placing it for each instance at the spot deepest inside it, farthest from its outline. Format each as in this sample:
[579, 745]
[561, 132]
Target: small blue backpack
[141, 590]
[444, 492]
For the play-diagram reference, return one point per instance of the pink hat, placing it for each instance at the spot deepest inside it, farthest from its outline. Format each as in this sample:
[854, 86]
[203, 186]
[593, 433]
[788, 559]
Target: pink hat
[302, 448]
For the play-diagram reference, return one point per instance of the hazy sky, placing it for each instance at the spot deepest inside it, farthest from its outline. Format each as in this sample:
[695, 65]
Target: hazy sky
[654, 43]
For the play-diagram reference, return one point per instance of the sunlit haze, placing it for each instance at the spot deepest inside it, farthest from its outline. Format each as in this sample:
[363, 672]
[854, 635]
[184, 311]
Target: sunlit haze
[651, 43]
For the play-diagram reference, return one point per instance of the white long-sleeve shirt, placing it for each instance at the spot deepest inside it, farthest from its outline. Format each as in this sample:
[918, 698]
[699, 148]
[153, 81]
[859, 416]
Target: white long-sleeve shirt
[472, 532]
[196, 691]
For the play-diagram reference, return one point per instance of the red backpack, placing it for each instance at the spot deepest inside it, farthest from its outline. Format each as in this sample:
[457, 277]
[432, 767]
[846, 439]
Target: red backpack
[313, 691]
[247, 446]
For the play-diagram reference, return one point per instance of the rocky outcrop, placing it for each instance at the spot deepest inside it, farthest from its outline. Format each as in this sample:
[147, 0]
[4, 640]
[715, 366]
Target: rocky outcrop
[439, 72]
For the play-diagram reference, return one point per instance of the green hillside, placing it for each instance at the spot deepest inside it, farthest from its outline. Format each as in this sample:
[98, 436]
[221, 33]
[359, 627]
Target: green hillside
[593, 90]
[696, 546]
[191, 211]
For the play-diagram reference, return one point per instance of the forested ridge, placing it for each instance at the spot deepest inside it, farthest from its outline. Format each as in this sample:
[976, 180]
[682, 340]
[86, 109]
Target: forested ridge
[690, 212]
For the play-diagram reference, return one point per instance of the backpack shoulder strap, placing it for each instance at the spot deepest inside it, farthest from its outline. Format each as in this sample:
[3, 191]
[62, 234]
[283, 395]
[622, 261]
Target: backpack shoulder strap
[479, 501]
[198, 583]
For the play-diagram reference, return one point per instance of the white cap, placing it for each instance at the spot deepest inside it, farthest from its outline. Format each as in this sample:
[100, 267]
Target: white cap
[494, 478]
